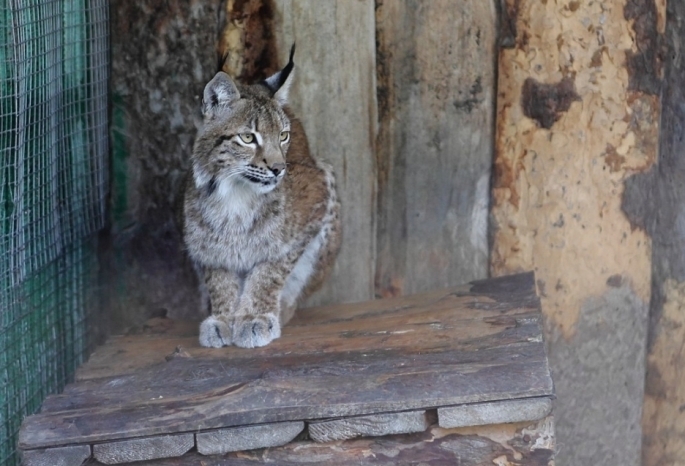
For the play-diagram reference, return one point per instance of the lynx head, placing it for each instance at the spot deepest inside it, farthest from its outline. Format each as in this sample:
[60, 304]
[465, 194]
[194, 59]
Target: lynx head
[245, 134]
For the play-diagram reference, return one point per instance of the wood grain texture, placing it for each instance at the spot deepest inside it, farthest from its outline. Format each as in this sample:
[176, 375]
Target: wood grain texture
[502, 445]
[334, 95]
[655, 201]
[577, 116]
[221, 441]
[142, 449]
[368, 426]
[436, 80]
[480, 342]
[73, 455]
[496, 412]
[155, 114]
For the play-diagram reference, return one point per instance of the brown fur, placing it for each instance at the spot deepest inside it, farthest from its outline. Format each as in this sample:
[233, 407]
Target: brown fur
[261, 237]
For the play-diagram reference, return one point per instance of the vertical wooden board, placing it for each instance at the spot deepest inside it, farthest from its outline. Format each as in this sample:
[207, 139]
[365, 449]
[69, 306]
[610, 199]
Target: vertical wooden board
[163, 54]
[578, 114]
[656, 201]
[436, 72]
[334, 95]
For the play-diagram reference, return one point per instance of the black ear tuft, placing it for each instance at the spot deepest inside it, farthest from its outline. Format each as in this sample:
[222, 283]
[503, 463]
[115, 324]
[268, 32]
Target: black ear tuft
[221, 61]
[277, 80]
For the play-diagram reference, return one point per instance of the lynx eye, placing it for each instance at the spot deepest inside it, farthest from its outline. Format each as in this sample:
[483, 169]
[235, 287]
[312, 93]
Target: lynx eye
[285, 135]
[247, 138]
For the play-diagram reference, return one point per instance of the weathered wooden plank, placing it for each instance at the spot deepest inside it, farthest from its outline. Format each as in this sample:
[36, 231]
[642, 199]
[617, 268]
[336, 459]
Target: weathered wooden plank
[505, 445]
[466, 319]
[577, 115]
[344, 328]
[221, 441]
[369, 426]
[141, 449]
[339, 387]
[73, 455]
[654, 201]
[496, 412]
[334, 95]
[122, 354]
[451, 347]
[436, 80]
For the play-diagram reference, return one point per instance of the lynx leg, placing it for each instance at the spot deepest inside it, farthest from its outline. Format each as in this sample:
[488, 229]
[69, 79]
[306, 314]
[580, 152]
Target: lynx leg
[223, 287]
[257, 321]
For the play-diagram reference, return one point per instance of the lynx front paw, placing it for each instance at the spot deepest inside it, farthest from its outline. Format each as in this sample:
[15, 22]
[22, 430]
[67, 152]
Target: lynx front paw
[215, 332]
[250, 331]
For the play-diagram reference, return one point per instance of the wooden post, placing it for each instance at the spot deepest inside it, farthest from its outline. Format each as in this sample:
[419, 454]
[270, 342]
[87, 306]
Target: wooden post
[577, 114]
[656, 202]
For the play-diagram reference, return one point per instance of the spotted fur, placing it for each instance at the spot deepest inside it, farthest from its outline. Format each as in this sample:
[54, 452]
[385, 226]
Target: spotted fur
[261, 218]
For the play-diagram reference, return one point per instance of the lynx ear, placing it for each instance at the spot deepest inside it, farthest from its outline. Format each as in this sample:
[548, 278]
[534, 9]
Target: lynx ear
[221, 90]
[279, 83]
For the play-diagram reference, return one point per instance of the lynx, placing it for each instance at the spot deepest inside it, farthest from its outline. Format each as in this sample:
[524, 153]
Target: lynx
[261, 215]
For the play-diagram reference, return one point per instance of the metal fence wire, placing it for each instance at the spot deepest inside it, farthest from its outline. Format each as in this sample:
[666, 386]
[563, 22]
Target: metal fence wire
[54, 61]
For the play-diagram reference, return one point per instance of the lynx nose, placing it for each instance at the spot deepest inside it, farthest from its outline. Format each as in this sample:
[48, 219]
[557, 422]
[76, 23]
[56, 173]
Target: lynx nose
[277, 168]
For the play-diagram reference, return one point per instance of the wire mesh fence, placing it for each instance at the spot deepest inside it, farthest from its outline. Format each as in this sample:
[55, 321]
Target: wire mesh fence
[54, 62]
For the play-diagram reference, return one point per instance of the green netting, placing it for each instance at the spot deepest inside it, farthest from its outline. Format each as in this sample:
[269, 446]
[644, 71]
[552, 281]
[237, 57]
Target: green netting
[53, 147]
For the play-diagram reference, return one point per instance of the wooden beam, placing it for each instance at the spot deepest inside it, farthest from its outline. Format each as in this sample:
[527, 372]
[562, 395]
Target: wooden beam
[578, 114]
[334, 95]
[655, 200]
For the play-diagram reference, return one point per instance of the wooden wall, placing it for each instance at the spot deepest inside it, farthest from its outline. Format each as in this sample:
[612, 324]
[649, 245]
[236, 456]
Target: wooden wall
[577, 118]
[335, 97]
[436, 71]
[655, 201]
[398, 96]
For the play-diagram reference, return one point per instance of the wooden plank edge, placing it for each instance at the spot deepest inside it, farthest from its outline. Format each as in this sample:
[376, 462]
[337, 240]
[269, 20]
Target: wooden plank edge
[73, 455]
[495, 412]
[375, 425]
[529, 443]
[143, 449]
[347, 409]
[222, 441]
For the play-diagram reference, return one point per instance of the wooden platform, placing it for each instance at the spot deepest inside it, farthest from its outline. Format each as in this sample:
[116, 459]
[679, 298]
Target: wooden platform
[430, 372]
